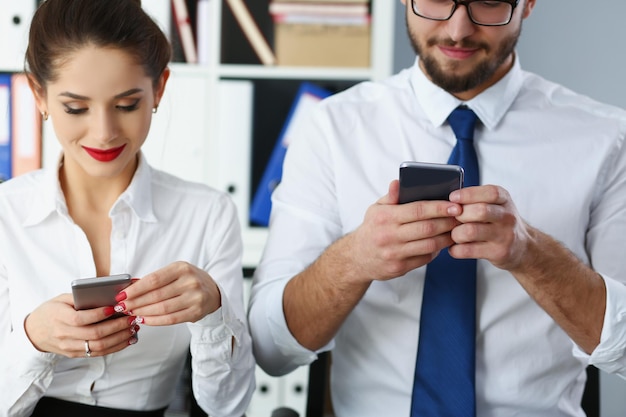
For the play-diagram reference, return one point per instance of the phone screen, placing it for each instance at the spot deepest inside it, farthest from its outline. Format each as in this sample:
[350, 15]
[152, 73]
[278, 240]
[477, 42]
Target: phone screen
[428, 181]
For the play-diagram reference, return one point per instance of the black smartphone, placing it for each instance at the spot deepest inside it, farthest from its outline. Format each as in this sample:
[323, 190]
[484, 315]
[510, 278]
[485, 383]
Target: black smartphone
[428, 181]
[99, 291]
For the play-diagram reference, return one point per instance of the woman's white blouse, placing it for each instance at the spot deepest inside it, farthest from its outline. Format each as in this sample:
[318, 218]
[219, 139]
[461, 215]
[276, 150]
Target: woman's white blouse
[158, 220]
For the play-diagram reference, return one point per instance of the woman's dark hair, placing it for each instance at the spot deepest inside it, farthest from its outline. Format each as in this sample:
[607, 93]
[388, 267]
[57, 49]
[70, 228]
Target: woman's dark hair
[61, 27]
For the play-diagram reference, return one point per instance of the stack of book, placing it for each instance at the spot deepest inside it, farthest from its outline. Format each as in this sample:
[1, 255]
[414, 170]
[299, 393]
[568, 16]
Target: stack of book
[330, 33]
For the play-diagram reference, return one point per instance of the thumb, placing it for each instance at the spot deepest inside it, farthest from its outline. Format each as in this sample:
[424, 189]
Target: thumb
[66, 298]
[392, 195]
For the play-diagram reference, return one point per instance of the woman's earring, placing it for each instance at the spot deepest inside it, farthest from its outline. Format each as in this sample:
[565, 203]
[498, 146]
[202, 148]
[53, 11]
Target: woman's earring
[155, 108]
[44, 114]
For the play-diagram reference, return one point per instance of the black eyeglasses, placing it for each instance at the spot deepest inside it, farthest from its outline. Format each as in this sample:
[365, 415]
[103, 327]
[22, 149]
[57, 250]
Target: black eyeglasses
[480, 12]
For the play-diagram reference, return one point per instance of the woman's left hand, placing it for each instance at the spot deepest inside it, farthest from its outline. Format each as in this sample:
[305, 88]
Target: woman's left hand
[177, 293]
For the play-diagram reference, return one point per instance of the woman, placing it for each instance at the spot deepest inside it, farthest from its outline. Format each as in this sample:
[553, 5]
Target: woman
[98, 69]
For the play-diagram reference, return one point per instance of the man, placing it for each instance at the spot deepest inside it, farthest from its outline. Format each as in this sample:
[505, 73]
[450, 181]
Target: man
[344, 268]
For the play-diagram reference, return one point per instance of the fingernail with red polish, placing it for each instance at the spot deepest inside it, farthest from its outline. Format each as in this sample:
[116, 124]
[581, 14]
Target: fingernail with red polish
[109, 311]
[133, 280]
[132, 340]
[131, 320]
[120, 307]
[120, 296]
[134, 329]
[139, 320]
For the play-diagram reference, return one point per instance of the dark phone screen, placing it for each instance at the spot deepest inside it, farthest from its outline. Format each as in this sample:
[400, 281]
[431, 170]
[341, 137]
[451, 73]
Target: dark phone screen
[425, 181]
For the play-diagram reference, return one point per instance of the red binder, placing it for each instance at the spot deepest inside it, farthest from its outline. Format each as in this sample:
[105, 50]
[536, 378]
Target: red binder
[26, 127]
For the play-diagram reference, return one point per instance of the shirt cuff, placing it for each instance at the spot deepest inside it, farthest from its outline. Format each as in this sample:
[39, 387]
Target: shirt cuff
[26, 375]
[31, 361]
[284, 340]
[218, 329]
[221, 318]
[609, 354]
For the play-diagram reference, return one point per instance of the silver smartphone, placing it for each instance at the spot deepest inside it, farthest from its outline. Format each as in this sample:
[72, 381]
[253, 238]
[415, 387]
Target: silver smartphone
[428, 181]
[98, 292]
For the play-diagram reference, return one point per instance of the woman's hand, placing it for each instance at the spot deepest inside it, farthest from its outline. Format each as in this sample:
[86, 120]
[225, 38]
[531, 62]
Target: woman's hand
[56, 327]
[177, 293]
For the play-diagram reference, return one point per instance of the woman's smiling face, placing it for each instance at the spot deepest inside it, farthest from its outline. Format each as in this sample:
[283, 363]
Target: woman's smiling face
[101, 109]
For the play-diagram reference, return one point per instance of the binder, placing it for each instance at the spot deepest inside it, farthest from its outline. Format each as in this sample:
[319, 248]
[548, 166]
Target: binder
[267, 396]
[307, 96]
[296, 389]
[251, 30]
[5, 127]
[14, 23]
[234, 138]
[26, 127]
[177, 142]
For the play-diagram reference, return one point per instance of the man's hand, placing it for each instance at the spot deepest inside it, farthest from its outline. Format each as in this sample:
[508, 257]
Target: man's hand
[490, 227]
[397, 238]
[572, 293]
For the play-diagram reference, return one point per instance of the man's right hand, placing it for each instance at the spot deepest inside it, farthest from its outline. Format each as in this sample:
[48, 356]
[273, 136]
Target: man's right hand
[395, 239]
[392, 240]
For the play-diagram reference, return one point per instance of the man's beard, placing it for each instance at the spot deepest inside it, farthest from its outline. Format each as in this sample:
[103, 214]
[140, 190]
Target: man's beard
[478, 75]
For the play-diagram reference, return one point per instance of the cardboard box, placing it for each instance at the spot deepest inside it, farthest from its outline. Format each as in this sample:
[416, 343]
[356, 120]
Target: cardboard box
[326, 45]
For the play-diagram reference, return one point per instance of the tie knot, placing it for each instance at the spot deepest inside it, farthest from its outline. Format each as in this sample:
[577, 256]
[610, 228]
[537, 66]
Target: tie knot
[463, 120]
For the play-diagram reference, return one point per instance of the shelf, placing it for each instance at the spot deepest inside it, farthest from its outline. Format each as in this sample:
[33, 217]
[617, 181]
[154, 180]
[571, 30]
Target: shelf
[183, 68]
[278, 72]
[274, 72]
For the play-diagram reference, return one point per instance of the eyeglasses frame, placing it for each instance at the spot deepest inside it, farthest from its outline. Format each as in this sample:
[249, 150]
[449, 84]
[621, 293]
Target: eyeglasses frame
[513, 3]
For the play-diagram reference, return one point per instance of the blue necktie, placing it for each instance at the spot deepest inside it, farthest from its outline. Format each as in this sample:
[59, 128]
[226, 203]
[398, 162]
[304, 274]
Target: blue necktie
[444, 372]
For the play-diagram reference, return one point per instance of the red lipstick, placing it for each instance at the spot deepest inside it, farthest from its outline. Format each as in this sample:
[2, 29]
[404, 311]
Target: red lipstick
[104, 155]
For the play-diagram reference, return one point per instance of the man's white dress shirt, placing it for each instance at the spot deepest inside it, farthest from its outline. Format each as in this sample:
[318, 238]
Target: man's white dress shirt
[158, 219]
[560, 155]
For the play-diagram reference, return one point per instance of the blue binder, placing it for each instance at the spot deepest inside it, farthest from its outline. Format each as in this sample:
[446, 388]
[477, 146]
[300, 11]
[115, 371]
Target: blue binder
[5, 127]
[261, 203]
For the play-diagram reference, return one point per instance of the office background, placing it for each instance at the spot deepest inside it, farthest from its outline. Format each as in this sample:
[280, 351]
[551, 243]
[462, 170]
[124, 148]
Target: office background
[576, 43]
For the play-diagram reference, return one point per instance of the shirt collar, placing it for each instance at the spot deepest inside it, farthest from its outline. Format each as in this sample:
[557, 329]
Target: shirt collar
[50, 198]
[138, 195]
[490, 106]
[47, 197]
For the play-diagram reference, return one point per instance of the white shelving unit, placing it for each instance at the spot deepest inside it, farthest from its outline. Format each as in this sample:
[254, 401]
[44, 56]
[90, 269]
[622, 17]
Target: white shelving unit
[14, 24]
[192, 113]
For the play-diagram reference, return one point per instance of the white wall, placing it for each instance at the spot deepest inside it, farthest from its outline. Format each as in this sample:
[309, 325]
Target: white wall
[579, 44]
